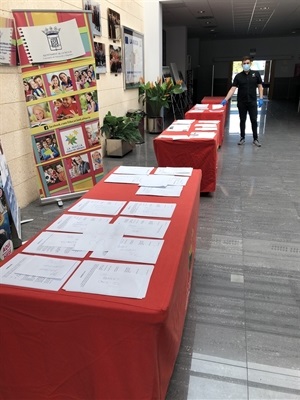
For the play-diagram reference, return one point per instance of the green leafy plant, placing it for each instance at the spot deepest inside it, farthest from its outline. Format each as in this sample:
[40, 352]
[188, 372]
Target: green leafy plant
[124, 128]
[157, 95]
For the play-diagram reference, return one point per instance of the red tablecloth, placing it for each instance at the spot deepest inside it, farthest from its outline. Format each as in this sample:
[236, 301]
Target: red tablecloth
[67, 345]
[208, 114]
[198, 153]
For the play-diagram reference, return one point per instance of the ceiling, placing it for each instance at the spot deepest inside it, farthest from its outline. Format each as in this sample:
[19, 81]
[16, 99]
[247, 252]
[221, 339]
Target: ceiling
[229, 19]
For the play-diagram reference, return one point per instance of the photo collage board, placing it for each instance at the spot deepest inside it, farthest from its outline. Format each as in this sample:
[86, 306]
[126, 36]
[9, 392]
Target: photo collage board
[63, 108]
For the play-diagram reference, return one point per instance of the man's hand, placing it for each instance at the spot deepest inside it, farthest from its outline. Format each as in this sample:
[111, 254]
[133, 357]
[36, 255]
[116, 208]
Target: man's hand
[224, 102]
[260, 102]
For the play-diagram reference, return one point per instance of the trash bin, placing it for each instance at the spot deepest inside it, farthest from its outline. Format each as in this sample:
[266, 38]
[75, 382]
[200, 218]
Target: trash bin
[141, 113]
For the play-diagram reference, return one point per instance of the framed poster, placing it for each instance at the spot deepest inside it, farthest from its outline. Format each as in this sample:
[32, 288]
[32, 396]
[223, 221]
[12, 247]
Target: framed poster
[133, 57]
[114, 24]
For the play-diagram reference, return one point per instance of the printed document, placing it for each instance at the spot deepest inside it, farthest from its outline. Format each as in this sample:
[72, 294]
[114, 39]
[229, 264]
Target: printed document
[122, 169]
[145, 209]
[168, 191]
[133, 250]
[79, 223]
[37, 272]
[56, 244]
[154, 228]
[184, 171]
[111, 279]
[91, 206]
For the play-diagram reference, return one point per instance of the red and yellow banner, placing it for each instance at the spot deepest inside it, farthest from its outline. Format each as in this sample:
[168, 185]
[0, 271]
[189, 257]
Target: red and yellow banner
[61, 99]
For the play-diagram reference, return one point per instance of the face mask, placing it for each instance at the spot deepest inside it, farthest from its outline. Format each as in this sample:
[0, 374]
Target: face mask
[246, 67]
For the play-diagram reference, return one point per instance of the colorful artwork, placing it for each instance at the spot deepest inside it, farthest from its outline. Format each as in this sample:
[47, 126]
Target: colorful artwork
[62, 105]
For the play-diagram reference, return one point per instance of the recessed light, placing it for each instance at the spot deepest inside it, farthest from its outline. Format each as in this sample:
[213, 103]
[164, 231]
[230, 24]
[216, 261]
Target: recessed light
[264, 8]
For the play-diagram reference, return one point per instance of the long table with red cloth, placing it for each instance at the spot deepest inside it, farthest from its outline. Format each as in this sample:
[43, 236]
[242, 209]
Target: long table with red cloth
[195, 152]
[69, 345]
[208, 114]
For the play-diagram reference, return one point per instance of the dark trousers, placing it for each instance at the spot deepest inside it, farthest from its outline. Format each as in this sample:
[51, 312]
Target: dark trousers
[251, 108]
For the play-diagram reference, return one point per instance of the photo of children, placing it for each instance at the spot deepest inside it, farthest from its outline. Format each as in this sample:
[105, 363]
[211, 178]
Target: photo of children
[97, 161]
[115, 59]
[34, 88]
[39, 114]
[54, 84]
[93, 133]
[68, 108]
[73, 167]
[54, 173]
[72, 139]
[46, 147]
[89, 102]
[65, 80]
[85, 77]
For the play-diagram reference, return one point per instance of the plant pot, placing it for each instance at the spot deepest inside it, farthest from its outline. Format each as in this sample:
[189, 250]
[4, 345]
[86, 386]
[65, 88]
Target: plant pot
[117, 147]
[155, 124]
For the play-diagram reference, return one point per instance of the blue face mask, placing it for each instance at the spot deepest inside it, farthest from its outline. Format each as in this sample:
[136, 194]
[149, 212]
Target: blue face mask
[246, 67]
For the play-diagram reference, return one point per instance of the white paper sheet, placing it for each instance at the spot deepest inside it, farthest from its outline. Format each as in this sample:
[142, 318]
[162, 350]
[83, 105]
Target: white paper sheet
[123, 178]
[217, 106]
[183, 121]
[55, 42]
[132, 249]
[178, 128]
[104, 207]
[200, 106]
[37, 272]
[203, 135]
[168, 191]
[173, 137]
[103, 240]
[122, 169]
[78, 223]
[207, 128]
[56, 243]
[163, 180]
[147, 209]
[111, 279]
[181, 171]
[142, 227]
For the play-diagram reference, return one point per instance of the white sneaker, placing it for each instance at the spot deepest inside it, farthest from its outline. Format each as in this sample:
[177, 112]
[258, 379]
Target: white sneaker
[241, 142]
[256, 143]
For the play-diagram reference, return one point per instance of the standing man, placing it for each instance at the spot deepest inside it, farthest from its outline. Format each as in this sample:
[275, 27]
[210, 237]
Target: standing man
[247, 81]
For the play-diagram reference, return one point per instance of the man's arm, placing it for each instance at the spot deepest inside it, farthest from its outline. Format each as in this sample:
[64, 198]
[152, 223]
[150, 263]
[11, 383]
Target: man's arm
[260, 90]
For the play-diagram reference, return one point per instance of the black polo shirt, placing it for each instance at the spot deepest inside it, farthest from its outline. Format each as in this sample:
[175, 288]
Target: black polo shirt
[247, 84]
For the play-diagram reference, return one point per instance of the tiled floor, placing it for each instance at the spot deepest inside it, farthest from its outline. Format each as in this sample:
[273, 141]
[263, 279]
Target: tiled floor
[242, 333]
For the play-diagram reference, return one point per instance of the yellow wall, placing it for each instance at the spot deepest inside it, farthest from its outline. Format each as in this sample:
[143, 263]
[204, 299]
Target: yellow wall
[14, 124]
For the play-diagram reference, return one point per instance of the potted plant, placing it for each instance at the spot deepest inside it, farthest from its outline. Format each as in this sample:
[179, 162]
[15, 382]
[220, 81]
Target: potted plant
[121, 133]
[157, 95]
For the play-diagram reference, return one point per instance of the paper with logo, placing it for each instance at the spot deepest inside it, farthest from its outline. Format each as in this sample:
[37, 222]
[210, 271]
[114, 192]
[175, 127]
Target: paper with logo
[55, 42]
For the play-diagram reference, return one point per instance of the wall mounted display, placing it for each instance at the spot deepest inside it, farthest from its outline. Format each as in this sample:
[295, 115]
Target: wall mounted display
[94, 16]
[7, 42]
[115, 58]
[133, 45]
[114, 24]
[61, 101]
[100, 57]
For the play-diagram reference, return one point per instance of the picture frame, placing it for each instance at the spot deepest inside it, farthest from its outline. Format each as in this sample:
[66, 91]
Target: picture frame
[133, 49]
